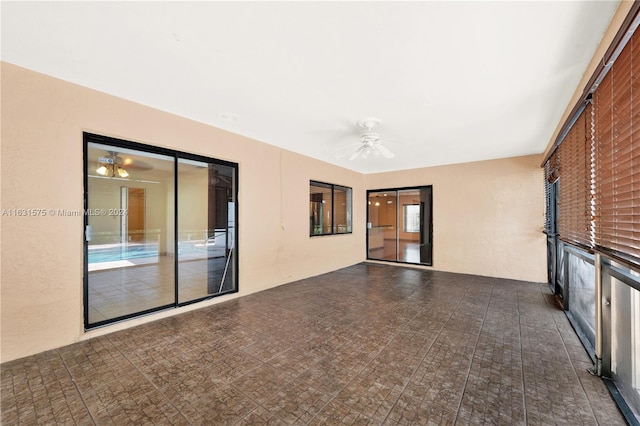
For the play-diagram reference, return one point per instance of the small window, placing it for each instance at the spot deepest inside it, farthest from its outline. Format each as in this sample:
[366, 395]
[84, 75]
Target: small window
[411, 214]
[329, 209]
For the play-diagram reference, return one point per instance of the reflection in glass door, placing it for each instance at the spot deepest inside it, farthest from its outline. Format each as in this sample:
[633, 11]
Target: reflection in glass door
[160, 229]
[129, 243]
[381, 228]
[206, 229]
[399, 225]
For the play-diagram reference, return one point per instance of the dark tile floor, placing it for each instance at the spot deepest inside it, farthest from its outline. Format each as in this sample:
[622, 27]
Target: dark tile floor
[369, 344]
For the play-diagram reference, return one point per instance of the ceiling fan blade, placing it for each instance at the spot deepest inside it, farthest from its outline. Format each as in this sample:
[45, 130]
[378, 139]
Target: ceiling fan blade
[357, 153]
[348, 146]
[385, 151]
[132, 163]
[137, 165]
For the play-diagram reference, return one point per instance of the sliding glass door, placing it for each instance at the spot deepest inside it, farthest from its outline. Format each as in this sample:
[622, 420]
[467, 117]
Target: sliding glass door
[382, 225]
[399, 225]
[129, 243]
[206, 229]
[159, 229]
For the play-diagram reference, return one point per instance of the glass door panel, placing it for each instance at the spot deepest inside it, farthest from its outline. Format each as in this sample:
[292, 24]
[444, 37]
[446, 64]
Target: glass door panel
[129, 232]
[409, 229]
[206, 229]
[426, 225]
[381, 229]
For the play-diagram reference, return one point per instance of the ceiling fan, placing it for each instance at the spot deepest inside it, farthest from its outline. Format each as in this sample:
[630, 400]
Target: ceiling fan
[113, 165]
[370, 143]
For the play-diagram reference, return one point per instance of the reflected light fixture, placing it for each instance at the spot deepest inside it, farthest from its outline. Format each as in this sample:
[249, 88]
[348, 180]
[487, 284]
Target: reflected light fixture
[109, 166]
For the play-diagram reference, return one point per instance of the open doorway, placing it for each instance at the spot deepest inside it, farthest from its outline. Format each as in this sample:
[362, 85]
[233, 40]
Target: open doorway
[133, 223]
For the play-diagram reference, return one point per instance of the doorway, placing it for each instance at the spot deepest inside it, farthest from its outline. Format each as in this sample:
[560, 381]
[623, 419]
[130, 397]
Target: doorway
[133, 201]
[400, 225]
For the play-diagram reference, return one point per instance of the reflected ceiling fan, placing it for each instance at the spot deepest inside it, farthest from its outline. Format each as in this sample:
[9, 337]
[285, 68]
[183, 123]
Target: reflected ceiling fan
[115, 166]
[370, 143]
[220, 179]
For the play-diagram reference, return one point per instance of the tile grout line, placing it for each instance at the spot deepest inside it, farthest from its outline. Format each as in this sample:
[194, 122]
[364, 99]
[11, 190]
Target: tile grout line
[75, 385]
[574, 370]
[147, 379]
[373, 359]
[353, 378]
[522, 375]
[473, 355]
[424, 357]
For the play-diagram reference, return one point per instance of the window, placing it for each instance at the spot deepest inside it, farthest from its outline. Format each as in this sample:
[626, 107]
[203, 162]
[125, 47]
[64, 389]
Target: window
[411, 213]
[329, 209]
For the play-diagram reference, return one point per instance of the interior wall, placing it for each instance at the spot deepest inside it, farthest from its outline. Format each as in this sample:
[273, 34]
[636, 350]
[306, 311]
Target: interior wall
[487, 215]
[193, 205]
[42, 169]
[106, 195]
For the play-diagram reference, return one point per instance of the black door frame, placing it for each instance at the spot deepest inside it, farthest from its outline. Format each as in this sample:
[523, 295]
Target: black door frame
[106, 140]
[426, 240]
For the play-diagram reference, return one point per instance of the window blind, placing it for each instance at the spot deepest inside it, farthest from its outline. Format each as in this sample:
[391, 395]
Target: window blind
[617, 165]
[551, 169]
[574, 152]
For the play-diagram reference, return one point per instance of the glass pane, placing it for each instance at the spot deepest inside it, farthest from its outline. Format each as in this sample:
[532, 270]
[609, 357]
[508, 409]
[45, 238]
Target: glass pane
[382, 225]
[409, 237]
[206, 229]
[130, 232]
[342, 209]
[582, 303]
[426, 225]
[320, 209]
[625, 341]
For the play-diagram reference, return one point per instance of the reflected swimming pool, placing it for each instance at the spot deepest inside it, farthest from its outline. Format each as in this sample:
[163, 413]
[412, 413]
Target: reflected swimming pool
[113, 254]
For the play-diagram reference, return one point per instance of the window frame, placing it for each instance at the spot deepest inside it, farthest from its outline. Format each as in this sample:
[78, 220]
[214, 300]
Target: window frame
[348, 214]
[405, 217]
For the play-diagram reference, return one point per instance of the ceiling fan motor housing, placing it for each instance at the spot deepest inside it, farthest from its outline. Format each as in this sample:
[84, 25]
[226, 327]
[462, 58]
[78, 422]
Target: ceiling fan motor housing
[369, 123]
[370, 138]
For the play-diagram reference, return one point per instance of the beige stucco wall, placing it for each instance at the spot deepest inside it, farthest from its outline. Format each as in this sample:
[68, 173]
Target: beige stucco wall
[487, 216]
[41, 278]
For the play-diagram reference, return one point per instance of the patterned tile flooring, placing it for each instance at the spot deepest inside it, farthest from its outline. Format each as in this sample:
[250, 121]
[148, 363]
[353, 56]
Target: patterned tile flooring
[368, 344]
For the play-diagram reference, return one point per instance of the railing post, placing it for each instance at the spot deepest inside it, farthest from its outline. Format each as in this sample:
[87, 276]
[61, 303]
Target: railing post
[597, 368]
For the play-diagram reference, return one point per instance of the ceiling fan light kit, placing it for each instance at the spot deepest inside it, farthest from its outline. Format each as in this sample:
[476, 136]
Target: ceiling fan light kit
[110, 166]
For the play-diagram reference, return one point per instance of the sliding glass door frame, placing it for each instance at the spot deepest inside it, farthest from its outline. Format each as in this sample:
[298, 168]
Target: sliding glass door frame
[177, 155]
[426, 235]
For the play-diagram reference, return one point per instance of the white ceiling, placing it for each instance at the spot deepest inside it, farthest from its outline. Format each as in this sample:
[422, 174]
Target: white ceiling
[451, 81]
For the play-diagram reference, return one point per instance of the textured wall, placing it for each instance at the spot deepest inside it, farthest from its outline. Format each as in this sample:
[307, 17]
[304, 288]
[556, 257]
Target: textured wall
[487, 215]
[42, 123]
